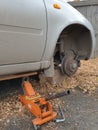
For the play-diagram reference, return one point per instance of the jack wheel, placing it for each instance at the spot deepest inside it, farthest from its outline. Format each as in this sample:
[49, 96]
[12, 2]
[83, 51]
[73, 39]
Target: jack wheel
[37, 127]
[54, 120]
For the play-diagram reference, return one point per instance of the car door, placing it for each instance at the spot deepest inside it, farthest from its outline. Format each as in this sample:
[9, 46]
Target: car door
[22, 31]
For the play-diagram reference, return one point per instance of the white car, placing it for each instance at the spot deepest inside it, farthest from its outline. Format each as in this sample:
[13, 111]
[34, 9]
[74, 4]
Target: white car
[40, 35]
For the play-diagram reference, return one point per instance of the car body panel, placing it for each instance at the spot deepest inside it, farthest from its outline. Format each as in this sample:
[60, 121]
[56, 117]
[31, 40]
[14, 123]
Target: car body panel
[58, 20]
[22, 31]
[29, 31]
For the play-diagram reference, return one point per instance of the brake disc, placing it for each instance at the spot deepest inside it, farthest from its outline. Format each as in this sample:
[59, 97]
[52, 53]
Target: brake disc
[69, 64]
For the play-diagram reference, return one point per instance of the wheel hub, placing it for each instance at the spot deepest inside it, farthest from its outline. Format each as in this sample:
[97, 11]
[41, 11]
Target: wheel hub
[69, 65]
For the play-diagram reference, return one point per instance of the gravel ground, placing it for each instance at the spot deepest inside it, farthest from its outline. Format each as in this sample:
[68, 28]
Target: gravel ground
[80, 107]
[81, 112]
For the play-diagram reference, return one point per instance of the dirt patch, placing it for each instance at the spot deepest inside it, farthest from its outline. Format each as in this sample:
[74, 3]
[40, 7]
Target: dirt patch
[85, 79]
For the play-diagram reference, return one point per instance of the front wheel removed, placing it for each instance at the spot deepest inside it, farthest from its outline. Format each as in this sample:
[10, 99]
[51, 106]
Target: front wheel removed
[70, 64]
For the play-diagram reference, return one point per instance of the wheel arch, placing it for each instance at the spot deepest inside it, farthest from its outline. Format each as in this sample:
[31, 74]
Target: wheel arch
[77, 37]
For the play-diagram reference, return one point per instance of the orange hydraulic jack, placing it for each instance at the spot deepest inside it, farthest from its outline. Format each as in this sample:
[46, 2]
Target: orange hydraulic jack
[37, 105]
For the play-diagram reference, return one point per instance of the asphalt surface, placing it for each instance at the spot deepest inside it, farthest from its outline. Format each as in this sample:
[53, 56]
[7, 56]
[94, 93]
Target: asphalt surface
[81, 111]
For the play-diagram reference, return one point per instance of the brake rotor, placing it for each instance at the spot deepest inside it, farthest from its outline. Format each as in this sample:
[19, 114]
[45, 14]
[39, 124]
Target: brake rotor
[69, 65]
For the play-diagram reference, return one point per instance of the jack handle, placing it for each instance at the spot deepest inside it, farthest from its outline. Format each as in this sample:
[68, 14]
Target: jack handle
[58, 95]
